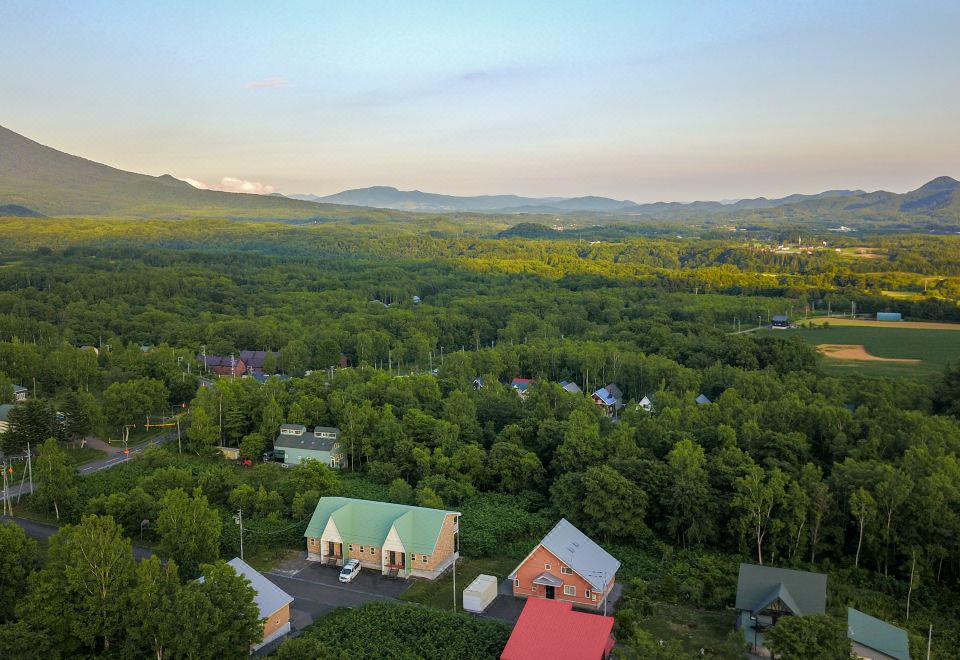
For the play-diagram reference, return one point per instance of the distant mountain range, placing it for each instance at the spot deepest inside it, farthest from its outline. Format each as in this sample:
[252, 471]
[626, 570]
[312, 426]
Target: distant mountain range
[386, 197]
[38, 181]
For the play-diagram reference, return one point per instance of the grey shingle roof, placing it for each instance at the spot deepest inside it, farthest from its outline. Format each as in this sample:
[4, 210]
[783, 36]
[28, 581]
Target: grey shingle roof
[270, 597]
[807, 592]
[4, 411]
[306, 441]
[579, 552]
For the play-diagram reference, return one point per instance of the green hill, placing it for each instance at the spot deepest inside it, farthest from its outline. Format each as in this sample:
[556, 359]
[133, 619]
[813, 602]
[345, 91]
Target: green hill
[51, 182]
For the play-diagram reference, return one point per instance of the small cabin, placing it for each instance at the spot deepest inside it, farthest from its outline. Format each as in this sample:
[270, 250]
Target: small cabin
[780, 322]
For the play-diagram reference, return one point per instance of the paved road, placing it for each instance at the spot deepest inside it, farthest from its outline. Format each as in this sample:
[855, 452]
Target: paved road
[101, 463]
[43, 531]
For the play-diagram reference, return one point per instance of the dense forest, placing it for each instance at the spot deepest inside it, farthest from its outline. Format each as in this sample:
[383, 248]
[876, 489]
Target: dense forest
[856, 477]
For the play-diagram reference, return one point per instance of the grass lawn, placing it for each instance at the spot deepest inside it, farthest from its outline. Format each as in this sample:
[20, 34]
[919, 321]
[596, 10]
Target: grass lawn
[933, 347]
[265, 559]
[439, 593]
[693, 628]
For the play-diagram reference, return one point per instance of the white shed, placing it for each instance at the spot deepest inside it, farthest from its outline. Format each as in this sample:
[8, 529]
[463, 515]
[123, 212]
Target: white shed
[480, 593]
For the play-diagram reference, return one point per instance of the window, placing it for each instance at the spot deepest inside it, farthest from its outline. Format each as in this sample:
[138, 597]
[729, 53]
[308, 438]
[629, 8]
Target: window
[569, 590]
[361, 549]
[594, 598]
[351, 547]
[586, 593]
[546, 567]
[516, 582]
[533, 589]
[565, 570]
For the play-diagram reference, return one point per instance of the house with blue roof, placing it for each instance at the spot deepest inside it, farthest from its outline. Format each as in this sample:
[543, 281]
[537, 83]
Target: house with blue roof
[610, 399]
[397, 540]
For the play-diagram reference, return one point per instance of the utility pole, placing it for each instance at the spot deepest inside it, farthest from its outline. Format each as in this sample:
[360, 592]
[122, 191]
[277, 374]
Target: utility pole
[29, 471]
[456, 554]
[7, 509]
[179, 446]
[239, 521]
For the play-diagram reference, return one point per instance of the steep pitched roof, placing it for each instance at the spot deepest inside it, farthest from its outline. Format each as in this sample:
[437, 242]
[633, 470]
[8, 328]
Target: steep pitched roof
[610, 395]
[580, 553]
[552, 630]
[270, 597]
[703, 398]
[5, 411]
[778, 592]
[255, 359]
[877, 635]
[570, 386]
[807, 591]
[366, 522]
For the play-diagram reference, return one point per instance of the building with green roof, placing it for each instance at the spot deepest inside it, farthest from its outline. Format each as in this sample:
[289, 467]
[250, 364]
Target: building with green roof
[765, 594]
[396, 539]
[874, 639]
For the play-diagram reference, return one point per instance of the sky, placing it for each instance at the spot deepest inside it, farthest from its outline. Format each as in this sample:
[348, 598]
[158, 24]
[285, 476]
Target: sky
[640, 100]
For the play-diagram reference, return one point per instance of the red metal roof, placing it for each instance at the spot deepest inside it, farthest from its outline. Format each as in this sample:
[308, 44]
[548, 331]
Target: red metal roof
[552, 630]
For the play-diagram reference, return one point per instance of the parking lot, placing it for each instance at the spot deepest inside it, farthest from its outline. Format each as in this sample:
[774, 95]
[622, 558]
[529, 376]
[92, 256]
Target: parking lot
[316, 588]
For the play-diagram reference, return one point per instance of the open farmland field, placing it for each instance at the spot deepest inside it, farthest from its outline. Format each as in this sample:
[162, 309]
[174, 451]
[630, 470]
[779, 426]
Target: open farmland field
[892, 349]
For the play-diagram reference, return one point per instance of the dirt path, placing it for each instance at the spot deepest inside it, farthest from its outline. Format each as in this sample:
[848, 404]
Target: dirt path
[97, 443]
[913, 325]
[856, 352]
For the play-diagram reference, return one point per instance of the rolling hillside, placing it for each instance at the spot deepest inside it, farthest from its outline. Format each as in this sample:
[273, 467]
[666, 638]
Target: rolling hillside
[51, 182]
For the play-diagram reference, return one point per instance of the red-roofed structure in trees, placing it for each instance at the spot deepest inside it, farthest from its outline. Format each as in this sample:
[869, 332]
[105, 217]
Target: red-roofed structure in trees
[552, 630]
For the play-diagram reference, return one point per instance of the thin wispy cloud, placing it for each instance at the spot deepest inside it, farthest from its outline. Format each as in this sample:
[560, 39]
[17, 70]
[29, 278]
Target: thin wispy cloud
[473, 81]
[234, 185]
[268, 83]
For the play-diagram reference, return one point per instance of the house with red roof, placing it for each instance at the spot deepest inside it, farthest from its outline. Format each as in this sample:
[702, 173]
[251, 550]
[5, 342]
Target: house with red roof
[552, 630]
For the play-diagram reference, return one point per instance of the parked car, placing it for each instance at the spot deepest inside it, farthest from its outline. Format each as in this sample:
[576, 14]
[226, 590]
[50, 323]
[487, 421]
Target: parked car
[350, 570]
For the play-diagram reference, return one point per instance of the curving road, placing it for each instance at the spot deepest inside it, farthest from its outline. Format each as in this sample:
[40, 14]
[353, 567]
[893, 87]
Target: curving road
[100, 463]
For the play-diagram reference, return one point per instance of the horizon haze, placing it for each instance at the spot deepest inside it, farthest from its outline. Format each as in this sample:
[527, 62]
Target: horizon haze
[678, 102]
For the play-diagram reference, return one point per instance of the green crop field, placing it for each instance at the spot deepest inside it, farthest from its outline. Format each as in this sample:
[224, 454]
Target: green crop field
[934, 348]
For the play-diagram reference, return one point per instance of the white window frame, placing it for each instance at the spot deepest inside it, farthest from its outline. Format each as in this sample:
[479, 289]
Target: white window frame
[566, 570]
[569, 590]
[516, 582]
[546, 566]
[586, 593]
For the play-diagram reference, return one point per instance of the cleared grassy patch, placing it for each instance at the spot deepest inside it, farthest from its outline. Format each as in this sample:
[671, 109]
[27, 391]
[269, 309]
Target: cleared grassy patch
[439, 593]
[694, 629]
[932, 346]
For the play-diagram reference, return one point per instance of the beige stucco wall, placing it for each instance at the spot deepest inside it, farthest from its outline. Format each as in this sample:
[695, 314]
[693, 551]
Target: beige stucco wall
[443, 549]
[276, 621]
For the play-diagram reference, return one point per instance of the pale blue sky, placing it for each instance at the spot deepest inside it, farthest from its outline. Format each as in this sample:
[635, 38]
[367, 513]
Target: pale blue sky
[640, 100]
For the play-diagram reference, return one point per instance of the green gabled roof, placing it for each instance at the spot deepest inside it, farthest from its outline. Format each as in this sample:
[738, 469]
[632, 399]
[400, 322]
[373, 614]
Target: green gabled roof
[877, 635]
[366, 522]
[781, 593]
[807, 591]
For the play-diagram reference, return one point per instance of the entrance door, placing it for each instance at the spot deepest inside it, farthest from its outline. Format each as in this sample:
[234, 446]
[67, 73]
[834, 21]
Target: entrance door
[393, 558]
[550, 592]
